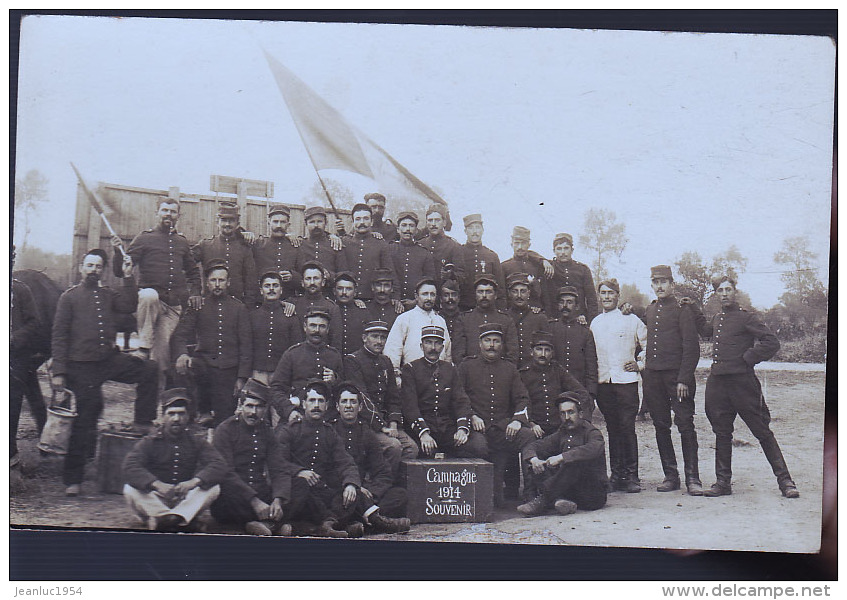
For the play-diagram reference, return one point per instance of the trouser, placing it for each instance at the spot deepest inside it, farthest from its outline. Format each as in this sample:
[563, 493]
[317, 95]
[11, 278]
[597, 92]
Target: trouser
[215, 389]
[23, 381]
[156, 321]
[393, 502]
[741, 394]
[148, 504]
[661, 398]
[501, 449]
[619, 404]
[312, 508]
[475, 447]
[85, 379]
[396, 449]
[232, 507]
[574, 482]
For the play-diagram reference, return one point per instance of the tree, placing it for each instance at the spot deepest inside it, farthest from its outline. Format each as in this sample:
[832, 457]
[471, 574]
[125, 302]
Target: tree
[341, 195]
[697, 275]
[639, 300]
[30, 191]
[801, 280]
[603, 236]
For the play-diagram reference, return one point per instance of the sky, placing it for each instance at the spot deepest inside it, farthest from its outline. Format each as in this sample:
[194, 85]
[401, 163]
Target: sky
[695, 141]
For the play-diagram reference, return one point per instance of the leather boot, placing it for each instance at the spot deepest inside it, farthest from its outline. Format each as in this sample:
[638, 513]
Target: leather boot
[389, 525]
[533, 508]
[723, 459]
[783, 478]
[668, 485]
[327, 529]
[692, 464]
[667, 456]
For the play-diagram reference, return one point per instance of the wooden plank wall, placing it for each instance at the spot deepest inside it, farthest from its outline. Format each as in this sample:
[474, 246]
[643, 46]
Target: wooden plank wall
[131, 210]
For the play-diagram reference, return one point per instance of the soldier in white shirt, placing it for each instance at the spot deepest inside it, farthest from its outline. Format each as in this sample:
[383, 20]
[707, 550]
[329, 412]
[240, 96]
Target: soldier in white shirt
[617, 337]
[404, 340]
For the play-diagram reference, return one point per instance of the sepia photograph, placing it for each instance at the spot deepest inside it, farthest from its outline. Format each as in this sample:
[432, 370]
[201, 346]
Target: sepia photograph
[421, 283]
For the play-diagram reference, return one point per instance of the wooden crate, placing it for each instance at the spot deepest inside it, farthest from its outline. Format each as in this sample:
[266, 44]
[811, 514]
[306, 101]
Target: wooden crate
[451, 490]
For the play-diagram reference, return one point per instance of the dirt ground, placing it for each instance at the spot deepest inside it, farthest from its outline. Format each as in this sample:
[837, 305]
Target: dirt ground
[754, 517]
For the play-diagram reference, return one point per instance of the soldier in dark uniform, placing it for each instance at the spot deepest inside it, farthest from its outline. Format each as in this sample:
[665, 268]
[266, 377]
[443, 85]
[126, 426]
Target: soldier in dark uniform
[449, 310]
[257, 492]
[310, 359]
[499, 402]
[673, 351]
[320, 459]
[527, 261]
[23, 378]
[485, 311]
[381, 307]
[353, 317]
[363, 252]
[273, 331]
[477, 259]
[527, 321]
[410, 260]
[446, 252]
[573, 345]
[568, 272]
[569, 466]
[381, 225]
[319, 246]
[85, 356]
[313, 274]
[223, 358]
[740, 340]
[381, 504]
[168, 281]
[436, 408]
[231, 247]
[373, 373]
[277, 252]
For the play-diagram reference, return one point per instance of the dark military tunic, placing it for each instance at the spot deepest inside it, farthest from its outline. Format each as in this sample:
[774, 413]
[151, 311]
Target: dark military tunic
[526, 323]
[387, 229]
[433, 398]
[544, 386]
[239, 260]
[411, 262]
[303, 303]
[381, 312]
[353, 321]
[575, 274]
[740, 340]
[672, 342]
[299, 364]
[315, 446]
[172, 460]
[574, 349]
[497, 394]
[478, 259]
[273, 334]
[374, 375]
[277, 254]
[445, 251]
[165, 264]
[532, 266]
[472, 319]
[363, 254]
[583, 446]
[319, 249]
[456, 329]
[361, 444]
[222, 332]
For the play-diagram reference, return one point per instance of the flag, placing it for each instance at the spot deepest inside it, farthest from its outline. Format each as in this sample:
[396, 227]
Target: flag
[333, 143]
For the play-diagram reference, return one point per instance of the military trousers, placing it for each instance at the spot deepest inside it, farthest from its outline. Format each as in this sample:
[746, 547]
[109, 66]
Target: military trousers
[619, 404]
[232, 507]
[23, 381]
[572, 481]
[215, 389]
[660, 396]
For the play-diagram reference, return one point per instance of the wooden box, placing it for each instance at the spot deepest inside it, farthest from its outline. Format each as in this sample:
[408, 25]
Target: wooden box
[451, 490]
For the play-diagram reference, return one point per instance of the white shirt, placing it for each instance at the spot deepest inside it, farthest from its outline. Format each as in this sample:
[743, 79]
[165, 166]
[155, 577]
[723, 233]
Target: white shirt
[616, 336]
[404, 340]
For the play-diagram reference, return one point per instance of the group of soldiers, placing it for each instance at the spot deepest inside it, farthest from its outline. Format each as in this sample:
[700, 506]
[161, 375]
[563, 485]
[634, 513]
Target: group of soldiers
[323, 362]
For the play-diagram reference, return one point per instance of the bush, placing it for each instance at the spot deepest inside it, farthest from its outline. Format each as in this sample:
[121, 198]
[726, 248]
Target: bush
[808, 349]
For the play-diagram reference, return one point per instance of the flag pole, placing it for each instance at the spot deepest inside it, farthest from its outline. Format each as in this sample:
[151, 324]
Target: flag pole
[92, 198]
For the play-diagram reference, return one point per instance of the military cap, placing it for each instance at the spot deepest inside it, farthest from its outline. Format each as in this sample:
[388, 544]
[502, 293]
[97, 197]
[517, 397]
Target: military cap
[423, 282]
[270, 274]
[407, 214]
[227, 209]
[376, 326]
[441, 209]
[346, 386]
[432, 331]
[255, 389]
[374, 196]
[381, 274]
[473, 218]
[346, 276]
[562, 237]
[487, 328]
[717, 280]
[279, 209]
[312, 211]
[661, 272]
[450, 284]
[520, 233]
[311, 264]
[359, 206]
[570, 396]
[100, 253]
[610, 283]
[173, 396]
[485, 278]
[567, 290]
[319, 385]
[516, 278]
[317, 312]
[541, 338]
[217, 263]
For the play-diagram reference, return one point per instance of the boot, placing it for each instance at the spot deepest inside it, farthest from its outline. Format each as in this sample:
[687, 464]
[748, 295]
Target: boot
[533, 508]
[283, 530]
[668, 485]
[723, 460]
[355, 529]
[327, 529]
[780, 469]
[718, 489]
[565, 507]
[788, 489]
[389, 525]
[667, 456]
[258, 528]
[692, 466]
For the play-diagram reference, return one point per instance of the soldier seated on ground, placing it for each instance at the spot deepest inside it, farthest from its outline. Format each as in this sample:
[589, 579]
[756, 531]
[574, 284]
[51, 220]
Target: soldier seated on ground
[172, 475]
[569, 466]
